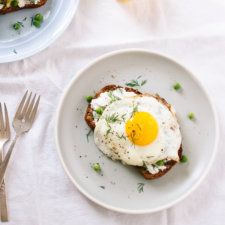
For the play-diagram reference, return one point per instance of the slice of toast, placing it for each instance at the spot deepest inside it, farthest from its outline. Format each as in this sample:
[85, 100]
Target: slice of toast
[6, 9]
[91, 123]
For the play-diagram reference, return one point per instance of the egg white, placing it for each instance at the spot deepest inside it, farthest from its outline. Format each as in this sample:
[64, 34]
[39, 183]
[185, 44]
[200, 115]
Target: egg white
[115, 146]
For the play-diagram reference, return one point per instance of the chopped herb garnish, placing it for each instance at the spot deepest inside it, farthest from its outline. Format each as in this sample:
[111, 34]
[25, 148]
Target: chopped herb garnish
[14, 50]
[113, 97]
[112, 119]
[96, 167]
[191, 116]
[88, 134]
[96, 117]
[20, 23]
[103, 187]
[143, 82]
[144, 165]
[135, 109]
[121, 90]
[123, 117]
[135, 83]
[141, 187]
[132, 135]
[24, 19]
[139, 126]
[148, 157]
[121, 136]
[108, 131]
[32, 20]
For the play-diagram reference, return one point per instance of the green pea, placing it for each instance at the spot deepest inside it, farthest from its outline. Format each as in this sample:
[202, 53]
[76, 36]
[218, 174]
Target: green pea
[14, 3]
[160, 163]
[38, 17]
[184, 159]
[176, 86]
[16, 26]
[36, 23]
[89, 98]
[99, 111]
[191, 116]
[96, 167]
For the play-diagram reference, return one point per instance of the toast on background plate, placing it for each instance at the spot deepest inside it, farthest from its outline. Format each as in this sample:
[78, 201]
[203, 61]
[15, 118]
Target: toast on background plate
[7, 6]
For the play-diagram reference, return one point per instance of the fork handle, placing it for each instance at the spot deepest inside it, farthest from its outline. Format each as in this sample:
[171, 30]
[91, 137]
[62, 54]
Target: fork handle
[6, 159]
[3, 202]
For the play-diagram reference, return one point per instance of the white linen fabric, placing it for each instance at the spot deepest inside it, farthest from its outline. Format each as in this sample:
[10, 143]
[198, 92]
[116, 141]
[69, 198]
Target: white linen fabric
[192, 32]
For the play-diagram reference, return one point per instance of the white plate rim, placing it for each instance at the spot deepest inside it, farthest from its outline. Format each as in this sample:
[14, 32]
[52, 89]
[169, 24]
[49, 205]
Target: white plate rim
[59, 109]
[58, 32]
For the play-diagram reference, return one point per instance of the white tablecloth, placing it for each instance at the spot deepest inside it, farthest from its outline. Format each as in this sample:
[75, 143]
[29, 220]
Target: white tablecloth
[192, 32]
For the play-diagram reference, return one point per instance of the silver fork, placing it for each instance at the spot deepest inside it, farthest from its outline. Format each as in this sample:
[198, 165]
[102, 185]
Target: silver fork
[22, 123]
[4, 137]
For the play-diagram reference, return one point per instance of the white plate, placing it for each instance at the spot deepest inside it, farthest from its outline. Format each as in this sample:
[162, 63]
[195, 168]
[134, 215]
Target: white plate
[200, 136]
[16, 45]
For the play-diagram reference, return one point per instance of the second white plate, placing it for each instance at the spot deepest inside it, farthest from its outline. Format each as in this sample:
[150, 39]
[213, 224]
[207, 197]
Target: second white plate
[16, 45]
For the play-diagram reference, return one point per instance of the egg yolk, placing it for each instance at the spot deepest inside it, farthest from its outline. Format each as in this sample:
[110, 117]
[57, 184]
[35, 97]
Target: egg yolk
[142, 128]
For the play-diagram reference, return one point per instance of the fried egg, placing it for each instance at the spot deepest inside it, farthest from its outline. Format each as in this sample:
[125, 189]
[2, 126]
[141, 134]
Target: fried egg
[138, 130]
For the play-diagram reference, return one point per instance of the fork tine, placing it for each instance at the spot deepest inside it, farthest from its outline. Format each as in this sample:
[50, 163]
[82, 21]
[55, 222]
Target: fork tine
[30, 108]
[33, 114]
[7, 120]
[26, 106]
[21, 105]
[1, 118]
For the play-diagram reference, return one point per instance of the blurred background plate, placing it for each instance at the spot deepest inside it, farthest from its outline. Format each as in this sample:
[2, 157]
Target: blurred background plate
[17, 45]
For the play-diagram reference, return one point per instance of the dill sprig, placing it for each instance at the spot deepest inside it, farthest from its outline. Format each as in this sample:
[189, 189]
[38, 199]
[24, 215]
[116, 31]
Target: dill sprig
[112, 119]
[109, 130]
[135, 83]
[132, 135]
[20, 23]
[96, 117]
[144, 165]
[88, 134]
[113, 97]
[135, 109]
[141, 187]
[121, 136]
[123, 117]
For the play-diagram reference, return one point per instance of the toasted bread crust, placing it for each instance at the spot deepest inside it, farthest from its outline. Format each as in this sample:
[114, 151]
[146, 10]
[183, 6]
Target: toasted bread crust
[13, 8]
[89, 116]
[169, 166]
[90, 121]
